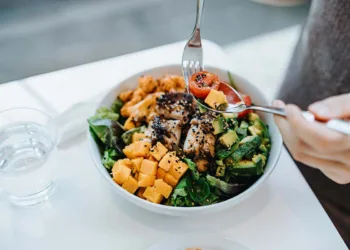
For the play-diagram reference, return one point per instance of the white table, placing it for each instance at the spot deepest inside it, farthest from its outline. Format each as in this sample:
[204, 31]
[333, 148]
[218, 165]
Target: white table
[85, 214]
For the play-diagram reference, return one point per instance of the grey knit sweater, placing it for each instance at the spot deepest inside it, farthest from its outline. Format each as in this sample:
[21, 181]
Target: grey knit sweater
[320, 68]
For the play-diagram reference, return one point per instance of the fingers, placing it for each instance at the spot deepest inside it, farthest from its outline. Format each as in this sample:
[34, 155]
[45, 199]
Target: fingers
[314, 144]
[316, 134]
[336, 171]
[282, 123]
[341, 157]
[340, 177]
[333, 107]
[298, 148]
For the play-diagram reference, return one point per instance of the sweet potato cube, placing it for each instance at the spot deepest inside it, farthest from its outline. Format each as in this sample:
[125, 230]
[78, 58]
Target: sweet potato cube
[142, 149]
[152, 195]
[136, 164]
[126, 162]
[158, 151]
[151, 158]
[137, 137]
[137, 149]
[116, 167]
[121, 174]
[140, 193]
[130, 185]
[167, 161]
[129, 124]
[149, 167]
[171, 180]
[128, 151]
[160, 173]
[178, 169]
[136, 176]
[146, 180]
[163, 188]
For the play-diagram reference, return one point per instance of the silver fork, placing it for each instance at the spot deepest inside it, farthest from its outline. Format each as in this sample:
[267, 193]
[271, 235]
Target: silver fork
[192, 57]
[192, 62]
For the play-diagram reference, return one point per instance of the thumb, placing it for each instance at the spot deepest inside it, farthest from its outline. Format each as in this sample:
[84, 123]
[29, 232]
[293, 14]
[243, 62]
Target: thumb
[332, 107]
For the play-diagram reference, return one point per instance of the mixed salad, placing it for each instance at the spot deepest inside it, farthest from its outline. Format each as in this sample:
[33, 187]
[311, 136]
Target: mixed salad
[157, 143]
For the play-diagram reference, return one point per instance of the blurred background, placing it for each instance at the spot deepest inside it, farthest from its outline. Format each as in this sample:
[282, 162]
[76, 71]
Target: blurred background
[40, 36]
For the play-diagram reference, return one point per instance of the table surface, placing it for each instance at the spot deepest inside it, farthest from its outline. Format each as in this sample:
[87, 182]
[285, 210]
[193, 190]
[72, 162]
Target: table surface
[84, 213]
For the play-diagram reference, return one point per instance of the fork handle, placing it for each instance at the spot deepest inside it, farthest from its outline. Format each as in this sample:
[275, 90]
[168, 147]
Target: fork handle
[200, 6]
[272, 110]
[338, 125]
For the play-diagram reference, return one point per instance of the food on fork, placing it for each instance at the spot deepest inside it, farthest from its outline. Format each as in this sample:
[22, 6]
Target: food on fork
[160, 145]
[210, 90]
[216, 99]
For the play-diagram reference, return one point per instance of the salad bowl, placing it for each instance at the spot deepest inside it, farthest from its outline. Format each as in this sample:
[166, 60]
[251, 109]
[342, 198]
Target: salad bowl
[175, 69]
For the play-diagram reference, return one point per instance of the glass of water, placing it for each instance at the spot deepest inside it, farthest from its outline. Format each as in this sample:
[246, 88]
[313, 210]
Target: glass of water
[28, 163]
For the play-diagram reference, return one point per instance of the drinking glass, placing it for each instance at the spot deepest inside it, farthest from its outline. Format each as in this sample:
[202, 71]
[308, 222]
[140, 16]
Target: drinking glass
[28, 161]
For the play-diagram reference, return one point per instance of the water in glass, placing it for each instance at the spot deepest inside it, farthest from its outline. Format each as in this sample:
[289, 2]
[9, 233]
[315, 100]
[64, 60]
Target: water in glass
[27, 162]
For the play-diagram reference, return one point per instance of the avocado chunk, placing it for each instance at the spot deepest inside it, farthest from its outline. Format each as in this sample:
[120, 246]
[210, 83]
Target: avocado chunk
[229, 138]
[263, 150]
[220, 171]
[216, 100]
[259, 158]
[242, 132]
[253, 117]
[223, 153]
[254, 131]
[247, 139]
[266, 142]
[245, 167]
[260, 126]
[219, 162]
[260, 162]
[246, 145]
[244, 125]
[219, 125]
[229, 115]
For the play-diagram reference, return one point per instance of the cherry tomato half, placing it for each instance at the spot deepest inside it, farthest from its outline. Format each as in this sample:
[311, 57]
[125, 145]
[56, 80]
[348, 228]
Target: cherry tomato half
[202, 82]
[248, 101]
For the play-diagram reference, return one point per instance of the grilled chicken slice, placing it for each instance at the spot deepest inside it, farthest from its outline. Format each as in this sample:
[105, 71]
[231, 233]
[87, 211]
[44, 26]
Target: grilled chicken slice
[168, 132]
[178, 106]
[143, 109]
[200, 141]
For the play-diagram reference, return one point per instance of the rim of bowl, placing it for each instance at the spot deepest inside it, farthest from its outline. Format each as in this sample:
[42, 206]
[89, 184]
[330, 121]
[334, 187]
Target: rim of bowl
[171, 209]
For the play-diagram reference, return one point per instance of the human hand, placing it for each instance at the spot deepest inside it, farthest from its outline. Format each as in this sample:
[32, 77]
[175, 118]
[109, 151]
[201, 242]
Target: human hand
[312, 143]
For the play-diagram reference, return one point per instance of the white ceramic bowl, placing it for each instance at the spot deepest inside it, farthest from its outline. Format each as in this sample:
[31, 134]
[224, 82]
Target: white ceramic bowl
[244, 86]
